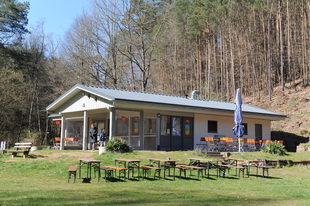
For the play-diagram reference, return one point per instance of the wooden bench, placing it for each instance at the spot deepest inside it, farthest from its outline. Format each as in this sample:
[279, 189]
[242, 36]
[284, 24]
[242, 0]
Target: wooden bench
[121, 171]
[108, 172]
[265, 168]
[237, 168]
[182, 169]
[185, 167]
[72, 171]
[147, 168]
[21, 148]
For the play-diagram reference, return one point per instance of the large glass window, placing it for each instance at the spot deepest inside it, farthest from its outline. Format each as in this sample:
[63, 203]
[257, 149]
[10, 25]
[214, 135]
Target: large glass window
[165, 125]
[149, 126]
[150, 133]
[74, 133]
[122, 126]
[176, 126]
[127, 127]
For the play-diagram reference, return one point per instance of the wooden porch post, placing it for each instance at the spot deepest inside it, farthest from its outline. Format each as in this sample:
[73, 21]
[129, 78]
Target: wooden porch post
[112, 123]
[85, 130]
[63, 132]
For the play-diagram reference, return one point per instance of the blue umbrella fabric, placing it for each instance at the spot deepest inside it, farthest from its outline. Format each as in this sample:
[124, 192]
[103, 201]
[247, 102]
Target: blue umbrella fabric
[238, 128]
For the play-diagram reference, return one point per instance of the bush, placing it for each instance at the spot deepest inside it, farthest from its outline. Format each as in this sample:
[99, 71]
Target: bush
[118, 145]
[274, 148]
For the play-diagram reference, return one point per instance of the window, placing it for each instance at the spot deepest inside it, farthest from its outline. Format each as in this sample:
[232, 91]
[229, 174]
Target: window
[165, 125]
[245, 127]
[212, 126]
[176, 126]
[122, 126]
[149, 126]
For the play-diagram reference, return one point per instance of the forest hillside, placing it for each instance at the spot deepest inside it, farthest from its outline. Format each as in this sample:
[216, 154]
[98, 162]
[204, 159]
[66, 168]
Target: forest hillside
[293, 102]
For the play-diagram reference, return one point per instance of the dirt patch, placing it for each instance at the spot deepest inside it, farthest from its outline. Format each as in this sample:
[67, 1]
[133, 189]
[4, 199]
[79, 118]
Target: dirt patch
[78, 155]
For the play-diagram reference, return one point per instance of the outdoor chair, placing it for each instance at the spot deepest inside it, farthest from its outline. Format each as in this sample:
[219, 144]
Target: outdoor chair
[56, 143]
[259, 144]
[232, 146]
[280, 141]
[211, 145]
[251, 145]
[245, 144]
[203, 143]
[222, 144]
[265, 142]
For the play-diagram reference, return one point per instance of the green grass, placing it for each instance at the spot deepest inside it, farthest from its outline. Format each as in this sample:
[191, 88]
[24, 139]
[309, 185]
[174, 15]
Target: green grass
[42, 180]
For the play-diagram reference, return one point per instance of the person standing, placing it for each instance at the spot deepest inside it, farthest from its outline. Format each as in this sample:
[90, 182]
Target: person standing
[102, 137]
[93, 132]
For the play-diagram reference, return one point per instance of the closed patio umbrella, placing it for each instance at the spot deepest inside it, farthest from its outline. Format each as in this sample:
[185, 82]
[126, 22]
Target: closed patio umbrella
[238, 128]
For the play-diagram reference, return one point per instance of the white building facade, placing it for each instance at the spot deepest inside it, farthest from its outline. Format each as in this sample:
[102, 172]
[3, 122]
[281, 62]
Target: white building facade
[151, 121]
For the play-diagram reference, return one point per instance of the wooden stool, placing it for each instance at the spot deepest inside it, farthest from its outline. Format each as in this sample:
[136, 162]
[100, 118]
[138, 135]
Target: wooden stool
[72, 171]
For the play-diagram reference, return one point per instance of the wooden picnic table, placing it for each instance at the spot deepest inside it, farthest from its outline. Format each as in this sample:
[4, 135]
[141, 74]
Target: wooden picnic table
[129, 164]
[89, 164]
[167, 164]
[257, 164]
[200, 162]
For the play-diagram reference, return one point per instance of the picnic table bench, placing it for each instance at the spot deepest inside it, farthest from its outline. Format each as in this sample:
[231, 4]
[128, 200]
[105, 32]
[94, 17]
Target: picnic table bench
[108, 172]
[121, 171]
[147, 168]
[21, 148]
[183, 169]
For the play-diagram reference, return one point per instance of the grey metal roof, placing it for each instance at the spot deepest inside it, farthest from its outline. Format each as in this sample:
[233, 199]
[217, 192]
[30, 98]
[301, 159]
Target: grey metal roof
[132, 96]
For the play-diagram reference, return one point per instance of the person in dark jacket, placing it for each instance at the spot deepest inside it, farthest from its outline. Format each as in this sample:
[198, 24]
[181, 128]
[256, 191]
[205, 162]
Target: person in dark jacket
[102, 137]
[93, 132]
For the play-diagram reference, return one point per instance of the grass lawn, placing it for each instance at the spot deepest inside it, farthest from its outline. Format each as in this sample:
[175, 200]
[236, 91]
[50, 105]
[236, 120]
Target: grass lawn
[42, 180]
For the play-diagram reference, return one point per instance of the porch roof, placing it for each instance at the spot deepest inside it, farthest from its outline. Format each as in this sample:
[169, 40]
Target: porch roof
[159, 99]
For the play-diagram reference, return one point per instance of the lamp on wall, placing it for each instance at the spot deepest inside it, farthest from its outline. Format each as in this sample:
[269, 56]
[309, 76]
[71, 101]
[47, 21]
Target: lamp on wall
[158, 115]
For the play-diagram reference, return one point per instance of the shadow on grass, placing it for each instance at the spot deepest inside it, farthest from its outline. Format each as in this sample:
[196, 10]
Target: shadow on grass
[266, 177]
[150, 178]
[189, 178]
[33, 156]
[112, 179]
[65, 197]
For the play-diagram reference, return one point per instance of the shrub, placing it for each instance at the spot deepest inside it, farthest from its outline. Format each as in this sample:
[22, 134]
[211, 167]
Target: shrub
[118, 145]
[274, 148]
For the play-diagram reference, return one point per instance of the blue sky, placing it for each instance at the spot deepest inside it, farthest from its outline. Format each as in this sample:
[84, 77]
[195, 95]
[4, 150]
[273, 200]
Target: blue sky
[58, 15]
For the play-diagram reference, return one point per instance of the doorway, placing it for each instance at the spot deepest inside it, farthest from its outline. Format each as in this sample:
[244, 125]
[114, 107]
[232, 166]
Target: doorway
[258, 132]
[176, 133]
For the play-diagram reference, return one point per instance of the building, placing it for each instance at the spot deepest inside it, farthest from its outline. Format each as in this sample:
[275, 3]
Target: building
[150, 121]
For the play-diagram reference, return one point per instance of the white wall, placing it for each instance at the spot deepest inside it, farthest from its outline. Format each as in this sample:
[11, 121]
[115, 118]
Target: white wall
[82, 102]
[225, 125]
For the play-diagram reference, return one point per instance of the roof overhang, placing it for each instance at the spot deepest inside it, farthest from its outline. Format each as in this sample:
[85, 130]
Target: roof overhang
[121, 103]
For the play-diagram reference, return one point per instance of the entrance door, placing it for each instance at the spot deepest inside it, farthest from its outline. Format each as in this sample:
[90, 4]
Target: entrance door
[188, 133]
[176, 133]
[258, 132]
